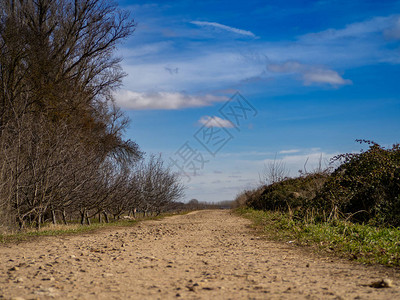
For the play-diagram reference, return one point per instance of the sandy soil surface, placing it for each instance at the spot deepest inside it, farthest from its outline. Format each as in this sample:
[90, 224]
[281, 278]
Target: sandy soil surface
[202, 255]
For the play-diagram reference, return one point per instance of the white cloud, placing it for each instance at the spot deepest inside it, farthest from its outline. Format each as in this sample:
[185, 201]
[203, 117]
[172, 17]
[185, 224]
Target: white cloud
[224, 27]
[163, 100]
[289, 151]
[324, 76]
[215, 122]
[310, 74]
[196, 66]
[205, 68]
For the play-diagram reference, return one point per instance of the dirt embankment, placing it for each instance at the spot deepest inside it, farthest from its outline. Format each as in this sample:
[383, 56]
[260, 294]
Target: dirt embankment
[202, 255]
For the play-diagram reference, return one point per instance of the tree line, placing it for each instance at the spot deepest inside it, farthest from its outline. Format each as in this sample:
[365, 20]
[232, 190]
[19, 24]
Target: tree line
[62, 150]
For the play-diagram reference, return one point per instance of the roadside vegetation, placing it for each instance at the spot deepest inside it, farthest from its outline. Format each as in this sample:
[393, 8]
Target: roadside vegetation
[353, 210]
[74, 227]
[63, 155]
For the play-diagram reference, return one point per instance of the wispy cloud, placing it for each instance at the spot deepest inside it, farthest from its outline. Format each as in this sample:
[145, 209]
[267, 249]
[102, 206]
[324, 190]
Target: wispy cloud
[355, 30]
[317, 75]
[215, 121]
[310, 74]
[170, 66]
[208, 67]
[393, 32]
[289, 151]
[145, 49]
[224, 27]
[163, 100]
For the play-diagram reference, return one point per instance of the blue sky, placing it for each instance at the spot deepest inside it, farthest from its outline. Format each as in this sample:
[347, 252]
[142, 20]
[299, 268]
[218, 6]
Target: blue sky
[314, 76]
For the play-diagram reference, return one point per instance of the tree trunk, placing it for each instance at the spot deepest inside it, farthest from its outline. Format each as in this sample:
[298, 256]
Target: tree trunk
[39, 221]
[87, 218]
[83, 214]
[106, 217]
[64, 217]
[21, 223]
[53, 217]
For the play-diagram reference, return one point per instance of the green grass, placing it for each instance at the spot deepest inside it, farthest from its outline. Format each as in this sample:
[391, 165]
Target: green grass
[364, 243]
[71, 229]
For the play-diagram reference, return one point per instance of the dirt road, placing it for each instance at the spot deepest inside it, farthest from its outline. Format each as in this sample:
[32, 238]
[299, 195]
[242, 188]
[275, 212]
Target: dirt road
[202, 255]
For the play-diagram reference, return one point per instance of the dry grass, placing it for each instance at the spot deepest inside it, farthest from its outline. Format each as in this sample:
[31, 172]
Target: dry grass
[50, 229]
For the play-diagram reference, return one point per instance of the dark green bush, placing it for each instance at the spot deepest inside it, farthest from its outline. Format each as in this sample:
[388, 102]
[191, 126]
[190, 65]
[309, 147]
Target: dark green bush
[366, 186]
[290, 193]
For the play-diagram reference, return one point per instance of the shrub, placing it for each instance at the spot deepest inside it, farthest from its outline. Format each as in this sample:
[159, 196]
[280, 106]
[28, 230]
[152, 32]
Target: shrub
[290, 193]
[366, 186]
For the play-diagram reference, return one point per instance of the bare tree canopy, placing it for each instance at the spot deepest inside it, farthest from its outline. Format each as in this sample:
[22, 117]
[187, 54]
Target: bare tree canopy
[62, 148]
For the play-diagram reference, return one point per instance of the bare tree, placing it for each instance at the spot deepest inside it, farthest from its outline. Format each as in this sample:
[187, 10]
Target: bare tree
[273, 172]
[58, 131]
[62, 149]
[159, 186]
